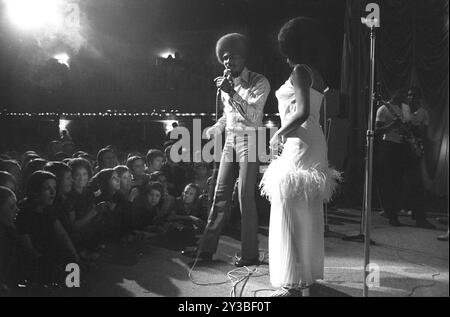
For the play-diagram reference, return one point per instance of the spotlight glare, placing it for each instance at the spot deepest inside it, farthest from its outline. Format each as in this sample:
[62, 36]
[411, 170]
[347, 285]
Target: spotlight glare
[270, 124]
[166, 53]
[62, 58]
[63, 124]
[32, 14]
[168, 125]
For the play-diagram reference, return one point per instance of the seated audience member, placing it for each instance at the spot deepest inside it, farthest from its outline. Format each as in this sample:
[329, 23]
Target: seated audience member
[115, 150]
[9, 247]
[81, 154]
[85, 155]
[168, 200]
[32, 166]
[189, 216]
[29, 152]
[106, 158]
[155, 160]
[106, 187]
[47, 243]
[127, 195]
[136, 164]
[86, 225]
[201, 175]
[53, 148]
[27, 157]
[126, 183]
[147, 208]
[134, 153]
[13, 168]
[61, 156]
[82, 199]
[63, 206]
[7, 180]
[176, 175]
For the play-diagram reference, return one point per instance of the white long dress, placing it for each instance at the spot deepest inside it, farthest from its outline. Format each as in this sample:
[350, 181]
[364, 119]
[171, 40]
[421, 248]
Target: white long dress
[297, 184]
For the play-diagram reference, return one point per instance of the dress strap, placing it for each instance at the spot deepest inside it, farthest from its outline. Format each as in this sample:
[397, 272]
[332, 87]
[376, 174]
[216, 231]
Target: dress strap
[311, 73]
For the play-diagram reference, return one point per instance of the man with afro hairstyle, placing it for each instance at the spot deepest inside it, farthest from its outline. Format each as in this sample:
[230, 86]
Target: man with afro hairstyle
[243, 94]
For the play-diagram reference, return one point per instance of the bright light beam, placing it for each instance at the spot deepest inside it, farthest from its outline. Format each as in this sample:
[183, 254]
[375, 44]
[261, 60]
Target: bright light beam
[168, 125]
[32, 14]
[63, 124]
[63, 58]
[166, 53]
[270, 124]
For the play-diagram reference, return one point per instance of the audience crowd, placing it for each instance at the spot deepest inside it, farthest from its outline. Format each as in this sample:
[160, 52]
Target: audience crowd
[58, 208]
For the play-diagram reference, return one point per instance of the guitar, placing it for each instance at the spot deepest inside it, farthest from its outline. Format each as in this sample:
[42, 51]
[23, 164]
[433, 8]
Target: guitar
[408, 132]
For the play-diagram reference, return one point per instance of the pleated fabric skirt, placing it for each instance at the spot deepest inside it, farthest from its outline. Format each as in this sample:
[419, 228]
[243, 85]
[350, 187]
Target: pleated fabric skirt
[297, 183]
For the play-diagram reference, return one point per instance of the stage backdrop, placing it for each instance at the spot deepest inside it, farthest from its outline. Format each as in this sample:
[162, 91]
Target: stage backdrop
[412, 49]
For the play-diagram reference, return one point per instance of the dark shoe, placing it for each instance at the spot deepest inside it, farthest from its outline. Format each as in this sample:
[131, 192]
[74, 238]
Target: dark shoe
[242, 262]
[443, 238]
[425, 224]
[205, 256]
[394, 222]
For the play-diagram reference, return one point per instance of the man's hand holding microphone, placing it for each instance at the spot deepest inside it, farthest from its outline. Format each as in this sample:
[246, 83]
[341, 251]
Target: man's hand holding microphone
[224, 82]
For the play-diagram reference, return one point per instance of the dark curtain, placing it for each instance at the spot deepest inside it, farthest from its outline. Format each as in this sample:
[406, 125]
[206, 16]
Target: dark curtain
[411, 49]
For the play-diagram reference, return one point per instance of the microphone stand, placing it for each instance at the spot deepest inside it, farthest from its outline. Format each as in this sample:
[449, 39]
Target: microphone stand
[217, 104]
[369, 164]
[367, 199]
[372, 21]
[218, 100]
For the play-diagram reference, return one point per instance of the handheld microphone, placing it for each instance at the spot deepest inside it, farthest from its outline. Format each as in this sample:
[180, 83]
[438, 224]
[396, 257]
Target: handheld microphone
[227, 75]
[227, 72]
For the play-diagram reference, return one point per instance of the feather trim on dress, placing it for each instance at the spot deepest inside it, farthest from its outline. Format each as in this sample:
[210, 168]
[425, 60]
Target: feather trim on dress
[284, 180]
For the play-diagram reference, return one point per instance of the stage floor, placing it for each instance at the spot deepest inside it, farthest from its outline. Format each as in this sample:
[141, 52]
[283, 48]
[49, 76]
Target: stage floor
[412, 262]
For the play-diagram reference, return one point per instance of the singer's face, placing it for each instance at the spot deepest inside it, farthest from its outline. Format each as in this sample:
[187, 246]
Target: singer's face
[234, 62]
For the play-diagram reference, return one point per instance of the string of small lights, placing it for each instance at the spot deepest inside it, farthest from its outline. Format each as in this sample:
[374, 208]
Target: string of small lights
[112, 114]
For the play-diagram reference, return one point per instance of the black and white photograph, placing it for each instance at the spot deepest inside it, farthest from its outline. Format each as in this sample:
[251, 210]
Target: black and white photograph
[224, 152]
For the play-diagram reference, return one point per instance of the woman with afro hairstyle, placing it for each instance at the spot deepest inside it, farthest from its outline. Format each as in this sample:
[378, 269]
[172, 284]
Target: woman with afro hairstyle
[299, 181]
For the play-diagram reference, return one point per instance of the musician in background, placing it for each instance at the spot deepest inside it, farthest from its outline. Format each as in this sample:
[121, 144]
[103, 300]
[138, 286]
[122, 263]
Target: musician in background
[391, 153]
[413, 184]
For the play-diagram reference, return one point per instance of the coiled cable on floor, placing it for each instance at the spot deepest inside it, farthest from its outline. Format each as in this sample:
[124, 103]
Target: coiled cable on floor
[235, 276]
